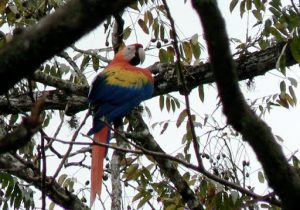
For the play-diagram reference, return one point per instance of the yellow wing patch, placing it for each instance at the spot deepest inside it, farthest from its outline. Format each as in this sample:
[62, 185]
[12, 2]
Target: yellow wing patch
[125, 78]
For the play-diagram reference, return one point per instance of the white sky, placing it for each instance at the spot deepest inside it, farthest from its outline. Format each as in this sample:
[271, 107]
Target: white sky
[282, 121]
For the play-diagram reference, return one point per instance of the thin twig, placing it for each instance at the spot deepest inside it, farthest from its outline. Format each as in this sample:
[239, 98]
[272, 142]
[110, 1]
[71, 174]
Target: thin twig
[44, 171]
[70, 146]
[93, 53]
[58, 128]
[184, 86]
[295, 7]
[66, 56]
[143, 151]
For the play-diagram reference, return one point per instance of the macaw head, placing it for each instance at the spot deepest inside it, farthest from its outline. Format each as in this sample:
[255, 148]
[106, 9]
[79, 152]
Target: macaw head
[133, 54]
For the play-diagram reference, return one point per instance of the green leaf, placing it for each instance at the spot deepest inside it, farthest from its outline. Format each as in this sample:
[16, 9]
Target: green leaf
[187, 51]
[278, 138]
[181, 117]
[163, 56]
[168, 104]
[293, 81]
[292, 93]
[51, 206]
[276, 4]
[95, 61]
[275, 12]
[233, 4]
[144, 200]
[161, 102]
[296, 162]
[249, 4]
[134, 6]
[173, 105]
[155, 27]
[13, 119]
[242, 8]
[46, 121]
[261, 177]
[282, 87]
[3, 5]
[126, 33]
[196, 50]
[9, 189]
[171, 206]
[147, 173]
[171, 53]
[201, 92]
[259, 5]
[5, 206]
[289, 99]
[61, 179]
[162, 32]
[265, 206]
[281, 61]
[85, 61]
[177, 102]
[149, 17]
[131, 171]
[194, 39]
[295, 48]
[283, 101]
[137, 196]
[143, 26]
[17, 201]
[165, 126]
[234, 196]
[276, 34]
[257, 15]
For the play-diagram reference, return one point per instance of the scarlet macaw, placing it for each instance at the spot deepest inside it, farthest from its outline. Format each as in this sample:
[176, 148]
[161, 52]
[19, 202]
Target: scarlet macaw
[114, 92]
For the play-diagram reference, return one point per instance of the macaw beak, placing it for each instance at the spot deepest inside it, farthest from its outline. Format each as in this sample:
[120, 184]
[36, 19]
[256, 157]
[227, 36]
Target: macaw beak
[141, 54]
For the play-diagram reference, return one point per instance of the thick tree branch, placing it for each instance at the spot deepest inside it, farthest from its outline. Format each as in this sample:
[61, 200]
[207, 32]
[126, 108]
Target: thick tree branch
[281, 176]
[56, 100]
[248, 66]
[166, 166]
[23, 133]
[27, 51]
[61, 84]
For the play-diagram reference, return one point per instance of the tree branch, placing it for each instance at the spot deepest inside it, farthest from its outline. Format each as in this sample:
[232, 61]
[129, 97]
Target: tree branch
[248, 67]
[166, 166]
[281, 176]
[27, 51]
[23, 133]
[56, 100]
[61, 84]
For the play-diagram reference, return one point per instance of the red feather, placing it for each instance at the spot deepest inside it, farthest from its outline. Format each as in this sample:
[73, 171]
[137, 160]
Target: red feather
[98, 153]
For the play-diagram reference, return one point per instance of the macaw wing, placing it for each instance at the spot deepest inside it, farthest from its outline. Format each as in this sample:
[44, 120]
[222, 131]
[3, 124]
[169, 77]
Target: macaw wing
[116, 85]
[115, 92]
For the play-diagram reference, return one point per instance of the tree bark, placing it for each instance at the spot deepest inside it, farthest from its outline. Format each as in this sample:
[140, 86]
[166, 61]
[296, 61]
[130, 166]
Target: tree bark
[167, 167]
[248, 67]
[52, 34]
[28, 173]
[281, 176]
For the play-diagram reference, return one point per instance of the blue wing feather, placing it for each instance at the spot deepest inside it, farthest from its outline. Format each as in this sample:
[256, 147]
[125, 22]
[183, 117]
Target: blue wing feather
[114, 101]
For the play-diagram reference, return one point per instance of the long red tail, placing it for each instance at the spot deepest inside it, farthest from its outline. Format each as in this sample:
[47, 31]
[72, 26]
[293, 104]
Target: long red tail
[98, 154]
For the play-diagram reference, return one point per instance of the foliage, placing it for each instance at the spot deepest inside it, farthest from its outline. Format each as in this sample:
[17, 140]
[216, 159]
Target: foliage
[225, 155]
[14, 194]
